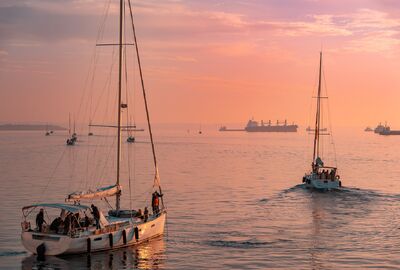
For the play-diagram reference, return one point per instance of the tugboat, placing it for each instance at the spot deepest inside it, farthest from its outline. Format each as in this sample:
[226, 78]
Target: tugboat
[368, 129]
[321, 177]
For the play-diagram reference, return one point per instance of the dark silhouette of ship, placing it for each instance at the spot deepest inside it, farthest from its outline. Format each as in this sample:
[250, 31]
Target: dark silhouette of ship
[254, 126]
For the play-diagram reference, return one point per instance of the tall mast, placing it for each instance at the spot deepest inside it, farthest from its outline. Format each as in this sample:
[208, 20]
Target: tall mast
[156, 178]
[118, 196]
[69, 124]
[318, 113]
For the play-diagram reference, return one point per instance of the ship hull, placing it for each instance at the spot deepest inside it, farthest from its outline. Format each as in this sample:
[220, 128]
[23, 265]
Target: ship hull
[288, 128]
[56, 244]
[312, 182]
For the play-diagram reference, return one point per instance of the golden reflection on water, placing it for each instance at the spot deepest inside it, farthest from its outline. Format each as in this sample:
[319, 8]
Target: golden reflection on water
[145, 256]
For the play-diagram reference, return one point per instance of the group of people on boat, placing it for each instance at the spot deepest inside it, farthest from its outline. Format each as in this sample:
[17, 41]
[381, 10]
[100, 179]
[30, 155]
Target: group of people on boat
[155, 204]
[68, 221]
[326, 174]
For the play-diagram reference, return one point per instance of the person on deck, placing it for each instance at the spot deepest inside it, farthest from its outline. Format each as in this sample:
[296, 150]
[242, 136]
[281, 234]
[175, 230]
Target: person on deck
[96, 215]
[155, 202]
[146, 214]
[332, 174]
[40, 219]
[139, 214]
[55, 224]
[67, 223]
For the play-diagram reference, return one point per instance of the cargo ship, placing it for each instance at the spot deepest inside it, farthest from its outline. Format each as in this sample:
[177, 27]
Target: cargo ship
[253, 126]
[387, 131]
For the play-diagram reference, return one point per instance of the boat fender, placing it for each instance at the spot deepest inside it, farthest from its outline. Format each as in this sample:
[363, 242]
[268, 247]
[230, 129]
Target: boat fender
[40, 251]
[88, 245]
[124, 236]
[338, 177]
[110, 238]
[340, 183]
[137, 233]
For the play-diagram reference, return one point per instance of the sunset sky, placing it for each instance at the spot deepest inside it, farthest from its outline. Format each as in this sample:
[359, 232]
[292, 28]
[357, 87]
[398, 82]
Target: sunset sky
[209, 61]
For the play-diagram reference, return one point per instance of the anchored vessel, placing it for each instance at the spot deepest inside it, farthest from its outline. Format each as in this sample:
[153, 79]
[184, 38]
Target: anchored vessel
[379, 128]
[72, 138]
[74, 231]
[253, 126]
[387, 131]
[321, 177]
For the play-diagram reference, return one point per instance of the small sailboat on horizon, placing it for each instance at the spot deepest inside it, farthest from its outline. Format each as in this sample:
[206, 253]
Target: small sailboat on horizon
[321, 177]
[72, 138]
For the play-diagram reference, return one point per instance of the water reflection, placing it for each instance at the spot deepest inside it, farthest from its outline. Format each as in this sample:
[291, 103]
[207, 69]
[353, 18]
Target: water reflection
[149, 255]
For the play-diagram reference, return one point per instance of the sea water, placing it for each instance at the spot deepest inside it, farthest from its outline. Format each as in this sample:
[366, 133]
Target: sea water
[234, 199]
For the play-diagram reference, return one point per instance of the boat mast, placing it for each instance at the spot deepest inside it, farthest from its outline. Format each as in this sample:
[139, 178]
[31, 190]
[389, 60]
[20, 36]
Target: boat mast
[69, 124]
[156, 179]
[118, 196]
[318, 113]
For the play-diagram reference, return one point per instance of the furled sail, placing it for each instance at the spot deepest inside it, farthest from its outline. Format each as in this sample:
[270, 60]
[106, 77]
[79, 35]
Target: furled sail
[97, 194]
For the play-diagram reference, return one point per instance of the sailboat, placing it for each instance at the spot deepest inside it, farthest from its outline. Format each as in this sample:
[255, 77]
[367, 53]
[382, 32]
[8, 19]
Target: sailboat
[90, 133]
[321, 177]
[131, 138]
[118, 228]
[72, 138]
[47, 130]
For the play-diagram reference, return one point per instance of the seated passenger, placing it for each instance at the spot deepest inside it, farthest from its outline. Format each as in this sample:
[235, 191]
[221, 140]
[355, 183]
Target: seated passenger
[146, 214]
[139, 214]
[55, 224]
[332, 175]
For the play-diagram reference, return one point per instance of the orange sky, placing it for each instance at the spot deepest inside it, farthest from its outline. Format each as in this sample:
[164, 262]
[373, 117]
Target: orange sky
[208, 61]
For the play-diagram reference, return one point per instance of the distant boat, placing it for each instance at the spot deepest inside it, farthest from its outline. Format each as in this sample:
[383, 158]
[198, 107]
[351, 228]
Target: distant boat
[379, 128]
[90, 124]
[47, 130]
[72, 138]
[253, 126]
[387, 131]
[321, 177]
[130, 139]
[312, 129]
[368, 129]
[200, 132]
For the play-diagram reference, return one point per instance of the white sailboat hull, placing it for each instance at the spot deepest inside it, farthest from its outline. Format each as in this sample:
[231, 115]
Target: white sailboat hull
[56, 244]
[311, 181]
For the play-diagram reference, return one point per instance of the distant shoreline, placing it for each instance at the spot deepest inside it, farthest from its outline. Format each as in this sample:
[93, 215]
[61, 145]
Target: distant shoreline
[21, 127]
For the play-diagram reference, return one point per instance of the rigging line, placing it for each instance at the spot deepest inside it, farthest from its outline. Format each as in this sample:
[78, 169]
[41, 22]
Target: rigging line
[106, 89]
[52, 175]
[156, 179]
[330, 122]
[100, 33]
[127, 114]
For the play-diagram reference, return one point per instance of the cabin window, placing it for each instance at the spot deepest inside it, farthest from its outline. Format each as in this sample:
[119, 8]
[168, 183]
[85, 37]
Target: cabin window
[97, 239]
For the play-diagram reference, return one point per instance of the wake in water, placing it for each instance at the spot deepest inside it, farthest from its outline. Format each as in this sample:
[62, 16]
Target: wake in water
[11, 253]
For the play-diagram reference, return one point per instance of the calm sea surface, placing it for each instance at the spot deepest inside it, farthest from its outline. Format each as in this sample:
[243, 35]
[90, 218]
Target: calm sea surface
[234, 199]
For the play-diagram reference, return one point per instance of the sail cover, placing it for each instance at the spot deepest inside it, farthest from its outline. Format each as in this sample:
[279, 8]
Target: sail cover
[97, 194]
